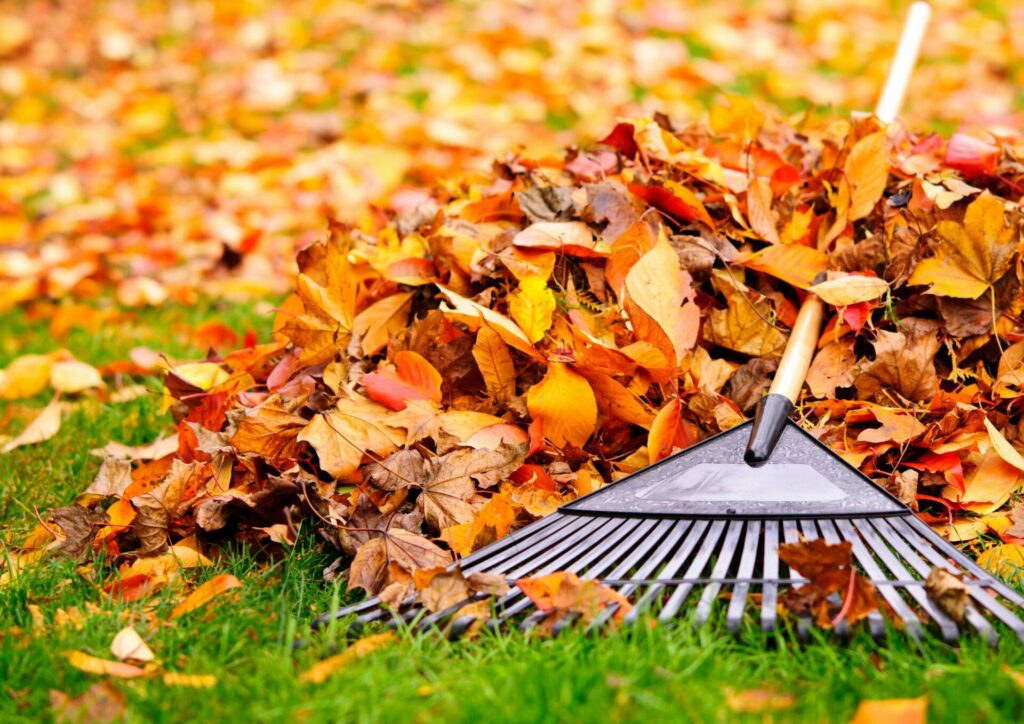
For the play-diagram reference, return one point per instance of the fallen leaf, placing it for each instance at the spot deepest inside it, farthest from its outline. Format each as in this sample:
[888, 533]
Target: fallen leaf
[128, 645]
[206, 593]
[564, 592]
[495, 363]
[565, 404]
[407, 550]
[1005, 561]
[867, 171]
[569, 237]
[42, 427]
[850, 289]
[892, 711]
[758, 701]
[410, 378]
[93, 665]
[794, 264]
[532, 306]
[905, 364]
[192, 681]
[321, 671]
[342, 436]
[949, 592]
[72, 376]
[970, 257]
[833, 367]
[101, 702]
[25, 376]
[835, 591]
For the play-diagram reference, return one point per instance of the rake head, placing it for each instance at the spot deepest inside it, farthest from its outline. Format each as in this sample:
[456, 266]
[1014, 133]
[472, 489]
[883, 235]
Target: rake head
[684, 534]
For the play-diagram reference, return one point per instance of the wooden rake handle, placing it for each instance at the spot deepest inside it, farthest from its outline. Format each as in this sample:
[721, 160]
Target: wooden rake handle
[773, 410]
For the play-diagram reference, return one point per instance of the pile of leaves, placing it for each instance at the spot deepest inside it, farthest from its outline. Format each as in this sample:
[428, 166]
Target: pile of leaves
[160, 150]
[529, 335]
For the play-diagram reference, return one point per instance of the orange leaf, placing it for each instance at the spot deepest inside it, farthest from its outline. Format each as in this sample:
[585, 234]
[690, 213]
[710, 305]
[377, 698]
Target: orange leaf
[668, 432]
[93, 665]
[565, 592]
[892, 711]
[867, 171]
[205, 593]
[565, 404]
[792, 263]
[319, 672]
[410, 378]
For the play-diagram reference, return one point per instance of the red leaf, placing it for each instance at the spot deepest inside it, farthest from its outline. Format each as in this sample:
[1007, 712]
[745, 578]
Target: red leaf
[972, 155]
[621, 139]
[856, 315]
[665, 201]
[410, 378]
[534, 474]
[948, 463]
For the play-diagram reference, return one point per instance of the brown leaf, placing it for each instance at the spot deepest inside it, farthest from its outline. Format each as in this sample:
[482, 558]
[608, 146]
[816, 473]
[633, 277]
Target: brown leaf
[342, 436]
[101, 702]
[744, 326]
[454, 478]
[833, 367]
[401, 469]
[750, 382]
[408, 550]
[270, 432]
[949, 592]
[830, 570]
[42, 427]
[113, 477]
[564, 592]
[904, 363]
[79, 526]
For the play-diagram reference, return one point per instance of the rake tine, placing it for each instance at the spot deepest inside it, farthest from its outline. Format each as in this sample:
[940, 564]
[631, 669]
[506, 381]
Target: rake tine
[437, 617]
[977, 591]
[888, 532]
[867, 562]
[459, 627]
[950, 631]
[704, 553]
[720, 571]
[876, 623]
[545, 526]
[566, 622]
[572, 527]
[963, 561]
[689, 536]
[662, 532]
[570, 563]
[803, 623]
[752, 541]
[770, 571]
[533, 559]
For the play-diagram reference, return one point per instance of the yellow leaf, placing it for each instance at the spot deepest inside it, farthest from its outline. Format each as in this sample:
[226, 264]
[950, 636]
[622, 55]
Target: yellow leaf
[1005, 560]
[93, 665]
[26, 376]
[892, 711]
[744, 325]
[45, 425]
[970, 257]
[867, 170]
[382, 319]
[663, 292]
[319, 672]
[988, 487]
[72, 376]
[793, 263]
[532, 307]
[194, 681]
[473, 314]
[355, 427]
[851, 289]
[205, 593]
[565, 405]
[495, 363]
[1002, 446]
[758, 701]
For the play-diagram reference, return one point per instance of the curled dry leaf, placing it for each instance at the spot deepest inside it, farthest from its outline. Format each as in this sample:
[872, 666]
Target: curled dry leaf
[42, 427]
[128, 645]
[319, 672]
[949, 593]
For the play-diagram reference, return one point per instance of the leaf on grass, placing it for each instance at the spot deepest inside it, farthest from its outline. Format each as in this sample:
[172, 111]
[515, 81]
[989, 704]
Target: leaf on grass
[79, 526]
[206, 593]
[128, 645]
[93, 665]
[892, 711]
[970, 257]
[101, 702]
[658, 291]
[1005, 561]
[411, 377]
[321, 671]
[25, 376]
[71, 376]
[758, 701]
[191, 681]
[44, 426]
[112, 479]
[565, 404]
[532, 306]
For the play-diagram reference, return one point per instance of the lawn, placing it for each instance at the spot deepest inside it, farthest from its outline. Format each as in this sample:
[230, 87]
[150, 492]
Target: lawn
[247, 641]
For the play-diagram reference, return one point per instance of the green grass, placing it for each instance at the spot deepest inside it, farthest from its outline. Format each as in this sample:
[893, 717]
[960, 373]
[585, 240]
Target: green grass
[246, 638]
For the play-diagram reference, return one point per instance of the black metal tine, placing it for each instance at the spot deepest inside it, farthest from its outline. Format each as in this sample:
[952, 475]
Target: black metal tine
[721, 570]
[630, 527]
[438, 617]
[704, 553]
[751, 543]
[876, 622]
[770, 571]
[963, 561]
[650, 563]
[549, 537]
[689, 536]
[980, 596]
[950, 631]
[662, 532]
[803, 623]
[532, 558]
[871, 567]
[565, 622]
[906, 552]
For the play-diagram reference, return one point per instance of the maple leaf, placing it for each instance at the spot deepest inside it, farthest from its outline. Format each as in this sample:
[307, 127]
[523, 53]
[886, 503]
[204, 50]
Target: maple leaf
[832, 367]
[829, 568]
[744, 325]
[354, 428]
[970, 257]
[904, 363]
[453, 479]
[328, 303]
[564, 592]
[407, 550]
